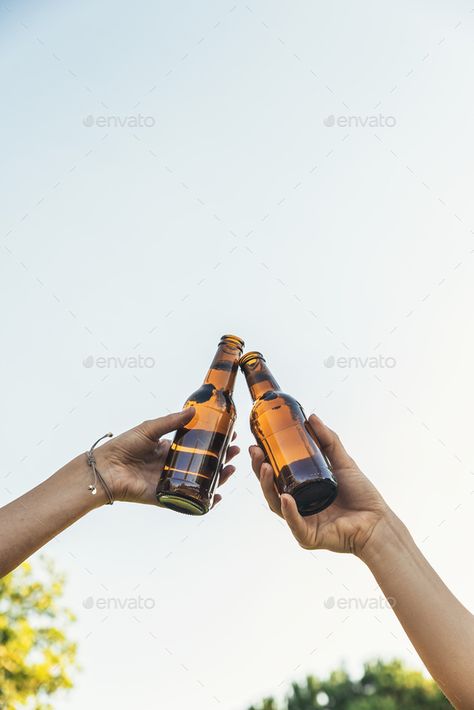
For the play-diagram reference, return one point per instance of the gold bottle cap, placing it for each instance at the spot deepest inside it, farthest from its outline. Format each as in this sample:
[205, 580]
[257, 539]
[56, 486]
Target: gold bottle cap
[252, 355]
[234, 339]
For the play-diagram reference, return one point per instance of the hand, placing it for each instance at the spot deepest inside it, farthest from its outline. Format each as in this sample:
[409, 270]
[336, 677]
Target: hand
[348, 523]
[132, 462]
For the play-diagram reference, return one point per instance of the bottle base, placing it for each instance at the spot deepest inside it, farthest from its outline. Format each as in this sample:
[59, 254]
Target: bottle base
[181, 504]
[314, 497]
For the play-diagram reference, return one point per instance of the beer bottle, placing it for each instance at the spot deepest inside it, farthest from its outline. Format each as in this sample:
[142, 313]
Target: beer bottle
[191, 471]
[281, 429]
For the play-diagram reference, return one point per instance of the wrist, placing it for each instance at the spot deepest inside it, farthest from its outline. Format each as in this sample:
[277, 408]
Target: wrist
[75, 478]
[107, 469]
[389, 537]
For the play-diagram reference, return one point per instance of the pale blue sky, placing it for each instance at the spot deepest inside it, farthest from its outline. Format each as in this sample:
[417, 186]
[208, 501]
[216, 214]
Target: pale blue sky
[238, 211]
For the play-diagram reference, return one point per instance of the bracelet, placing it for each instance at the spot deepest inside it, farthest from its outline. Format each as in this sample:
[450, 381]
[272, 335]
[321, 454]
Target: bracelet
[97, 476]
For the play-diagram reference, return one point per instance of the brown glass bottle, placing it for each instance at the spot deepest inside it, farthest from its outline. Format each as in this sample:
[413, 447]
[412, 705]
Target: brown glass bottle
[192, 468]
[280, 427]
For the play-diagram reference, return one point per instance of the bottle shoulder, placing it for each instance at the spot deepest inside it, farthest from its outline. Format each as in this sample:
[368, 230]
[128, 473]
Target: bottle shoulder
[203, 394]
[208, 396]
[273, 399]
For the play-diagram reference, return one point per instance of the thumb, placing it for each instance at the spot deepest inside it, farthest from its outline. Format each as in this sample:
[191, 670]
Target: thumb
[155, 428]
[295, 521]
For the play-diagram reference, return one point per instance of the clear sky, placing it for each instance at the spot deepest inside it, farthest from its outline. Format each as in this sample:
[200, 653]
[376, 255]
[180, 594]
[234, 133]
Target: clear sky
[299, 174]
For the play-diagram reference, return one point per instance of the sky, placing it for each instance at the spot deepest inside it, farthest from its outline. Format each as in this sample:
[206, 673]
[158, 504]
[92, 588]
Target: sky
[299, 174]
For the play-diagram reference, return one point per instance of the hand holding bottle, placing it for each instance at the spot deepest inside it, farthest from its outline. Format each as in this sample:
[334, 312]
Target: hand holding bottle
[359, 521]
[349, 523]
[133, 462]
[131, 465]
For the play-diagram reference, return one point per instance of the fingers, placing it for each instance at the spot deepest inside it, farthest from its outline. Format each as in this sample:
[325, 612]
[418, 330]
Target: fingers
[330, 443]
[225, 474]
[257, 458]
[264, 473]
[295, 521]
[268, 487]
[217, 499]
[227, 471]
[154, 428]
[231, 452]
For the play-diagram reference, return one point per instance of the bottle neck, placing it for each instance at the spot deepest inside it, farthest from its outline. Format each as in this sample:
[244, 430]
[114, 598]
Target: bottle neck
[224, 366]
[259, 378]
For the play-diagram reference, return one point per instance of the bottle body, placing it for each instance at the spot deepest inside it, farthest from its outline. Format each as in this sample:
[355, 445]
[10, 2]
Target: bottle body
[191, 470]
[280, 427]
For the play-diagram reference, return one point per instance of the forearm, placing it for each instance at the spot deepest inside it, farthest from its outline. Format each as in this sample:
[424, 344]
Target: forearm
[32, 520]
[438, 625]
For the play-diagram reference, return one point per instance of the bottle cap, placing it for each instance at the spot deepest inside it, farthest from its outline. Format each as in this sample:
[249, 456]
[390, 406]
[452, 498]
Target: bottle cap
[252, 355]
[234, 339]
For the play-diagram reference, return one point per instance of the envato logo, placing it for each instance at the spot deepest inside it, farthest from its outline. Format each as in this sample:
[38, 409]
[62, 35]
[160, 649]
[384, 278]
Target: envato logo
[376, 361]
[359, 603]
[120, 603]
[112, 362]
[114, 121]
[375, 121]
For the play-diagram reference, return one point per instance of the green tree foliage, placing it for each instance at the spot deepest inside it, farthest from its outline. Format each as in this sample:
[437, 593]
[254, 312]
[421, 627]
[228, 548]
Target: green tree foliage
[35, 655]
[383, 686]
